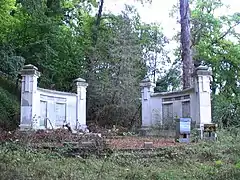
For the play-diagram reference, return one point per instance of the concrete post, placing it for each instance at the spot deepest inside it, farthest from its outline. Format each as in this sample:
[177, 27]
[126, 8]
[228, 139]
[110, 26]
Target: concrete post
[147, 88]
[203, 95]
[29, 109]
[81, 103]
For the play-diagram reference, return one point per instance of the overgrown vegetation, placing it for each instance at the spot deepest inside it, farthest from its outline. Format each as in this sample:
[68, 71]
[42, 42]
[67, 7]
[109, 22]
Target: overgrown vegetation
[9, 104]
[66, 40]
[215, 160]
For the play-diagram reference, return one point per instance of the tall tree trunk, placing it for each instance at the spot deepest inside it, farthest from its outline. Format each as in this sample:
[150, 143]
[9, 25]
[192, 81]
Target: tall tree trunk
[186, 44]
[95, 29]
[91, 59]
[98, 20]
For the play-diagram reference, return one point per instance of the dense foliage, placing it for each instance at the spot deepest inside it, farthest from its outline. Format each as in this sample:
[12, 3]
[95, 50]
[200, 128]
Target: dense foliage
[9, 104]
[65, 40]
[215, 43]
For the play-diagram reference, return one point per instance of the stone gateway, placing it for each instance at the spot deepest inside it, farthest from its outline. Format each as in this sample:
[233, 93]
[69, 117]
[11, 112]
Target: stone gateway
[164, 108]
[44, 108]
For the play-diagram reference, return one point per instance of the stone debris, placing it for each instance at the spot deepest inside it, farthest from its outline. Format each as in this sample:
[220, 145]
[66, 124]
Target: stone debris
[148, 145]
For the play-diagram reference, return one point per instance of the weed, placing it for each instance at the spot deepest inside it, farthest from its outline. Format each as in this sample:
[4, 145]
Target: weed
[219, 160]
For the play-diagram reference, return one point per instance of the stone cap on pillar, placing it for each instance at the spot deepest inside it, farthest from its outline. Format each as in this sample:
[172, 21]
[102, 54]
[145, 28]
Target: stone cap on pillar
[146, 82]
[80, 82]
[202, 70]
[30, 70]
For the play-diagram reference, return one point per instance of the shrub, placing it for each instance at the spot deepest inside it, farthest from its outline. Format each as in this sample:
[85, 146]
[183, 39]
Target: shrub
[10, 110]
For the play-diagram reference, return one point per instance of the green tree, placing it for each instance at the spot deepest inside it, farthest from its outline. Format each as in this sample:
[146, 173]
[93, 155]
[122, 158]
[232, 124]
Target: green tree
[213, 45]
[171, 80]
[46, 35]
[153, 43]
[65, 41]
[121, 57]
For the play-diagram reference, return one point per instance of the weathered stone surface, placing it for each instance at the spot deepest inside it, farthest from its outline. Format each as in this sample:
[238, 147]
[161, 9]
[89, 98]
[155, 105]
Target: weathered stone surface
[148, 145]
[44, 108]
[27, 100]
[88, 144]
[194, 102]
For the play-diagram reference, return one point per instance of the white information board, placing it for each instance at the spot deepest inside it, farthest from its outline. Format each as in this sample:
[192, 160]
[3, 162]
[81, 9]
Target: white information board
[185, 125]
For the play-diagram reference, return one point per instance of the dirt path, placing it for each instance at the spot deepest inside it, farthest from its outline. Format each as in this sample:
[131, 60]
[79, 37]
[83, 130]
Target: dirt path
[138, 142]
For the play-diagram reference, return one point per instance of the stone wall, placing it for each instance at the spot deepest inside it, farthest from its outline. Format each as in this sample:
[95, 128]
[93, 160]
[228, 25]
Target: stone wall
[57, 106]
[44, 108]
[163, 108]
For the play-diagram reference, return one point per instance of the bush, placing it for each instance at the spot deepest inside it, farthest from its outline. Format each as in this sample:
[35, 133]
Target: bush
[9, 105]
[226, 110]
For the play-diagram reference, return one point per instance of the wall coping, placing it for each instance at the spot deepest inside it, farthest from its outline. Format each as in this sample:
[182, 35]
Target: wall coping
[79, 80]
[174, 93]
[56, 92]
[30, 70]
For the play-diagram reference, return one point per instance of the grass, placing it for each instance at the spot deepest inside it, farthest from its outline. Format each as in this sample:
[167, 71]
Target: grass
[219, 160]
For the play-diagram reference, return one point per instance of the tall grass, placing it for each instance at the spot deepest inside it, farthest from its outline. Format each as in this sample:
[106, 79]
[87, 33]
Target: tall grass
[206, 160]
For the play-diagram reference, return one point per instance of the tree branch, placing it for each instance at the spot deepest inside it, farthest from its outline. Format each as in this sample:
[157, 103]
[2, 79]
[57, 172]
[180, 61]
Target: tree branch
[226, 33]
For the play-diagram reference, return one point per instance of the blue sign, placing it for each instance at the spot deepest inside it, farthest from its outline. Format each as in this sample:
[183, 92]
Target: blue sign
[185, 125]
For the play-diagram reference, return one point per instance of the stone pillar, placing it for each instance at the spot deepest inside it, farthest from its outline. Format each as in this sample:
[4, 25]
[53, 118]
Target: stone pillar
[203, 95]
[81, 103]
[29, 107]
[147, 88]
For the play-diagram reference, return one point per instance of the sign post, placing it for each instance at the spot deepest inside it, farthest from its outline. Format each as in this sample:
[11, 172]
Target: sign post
[183, 130]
